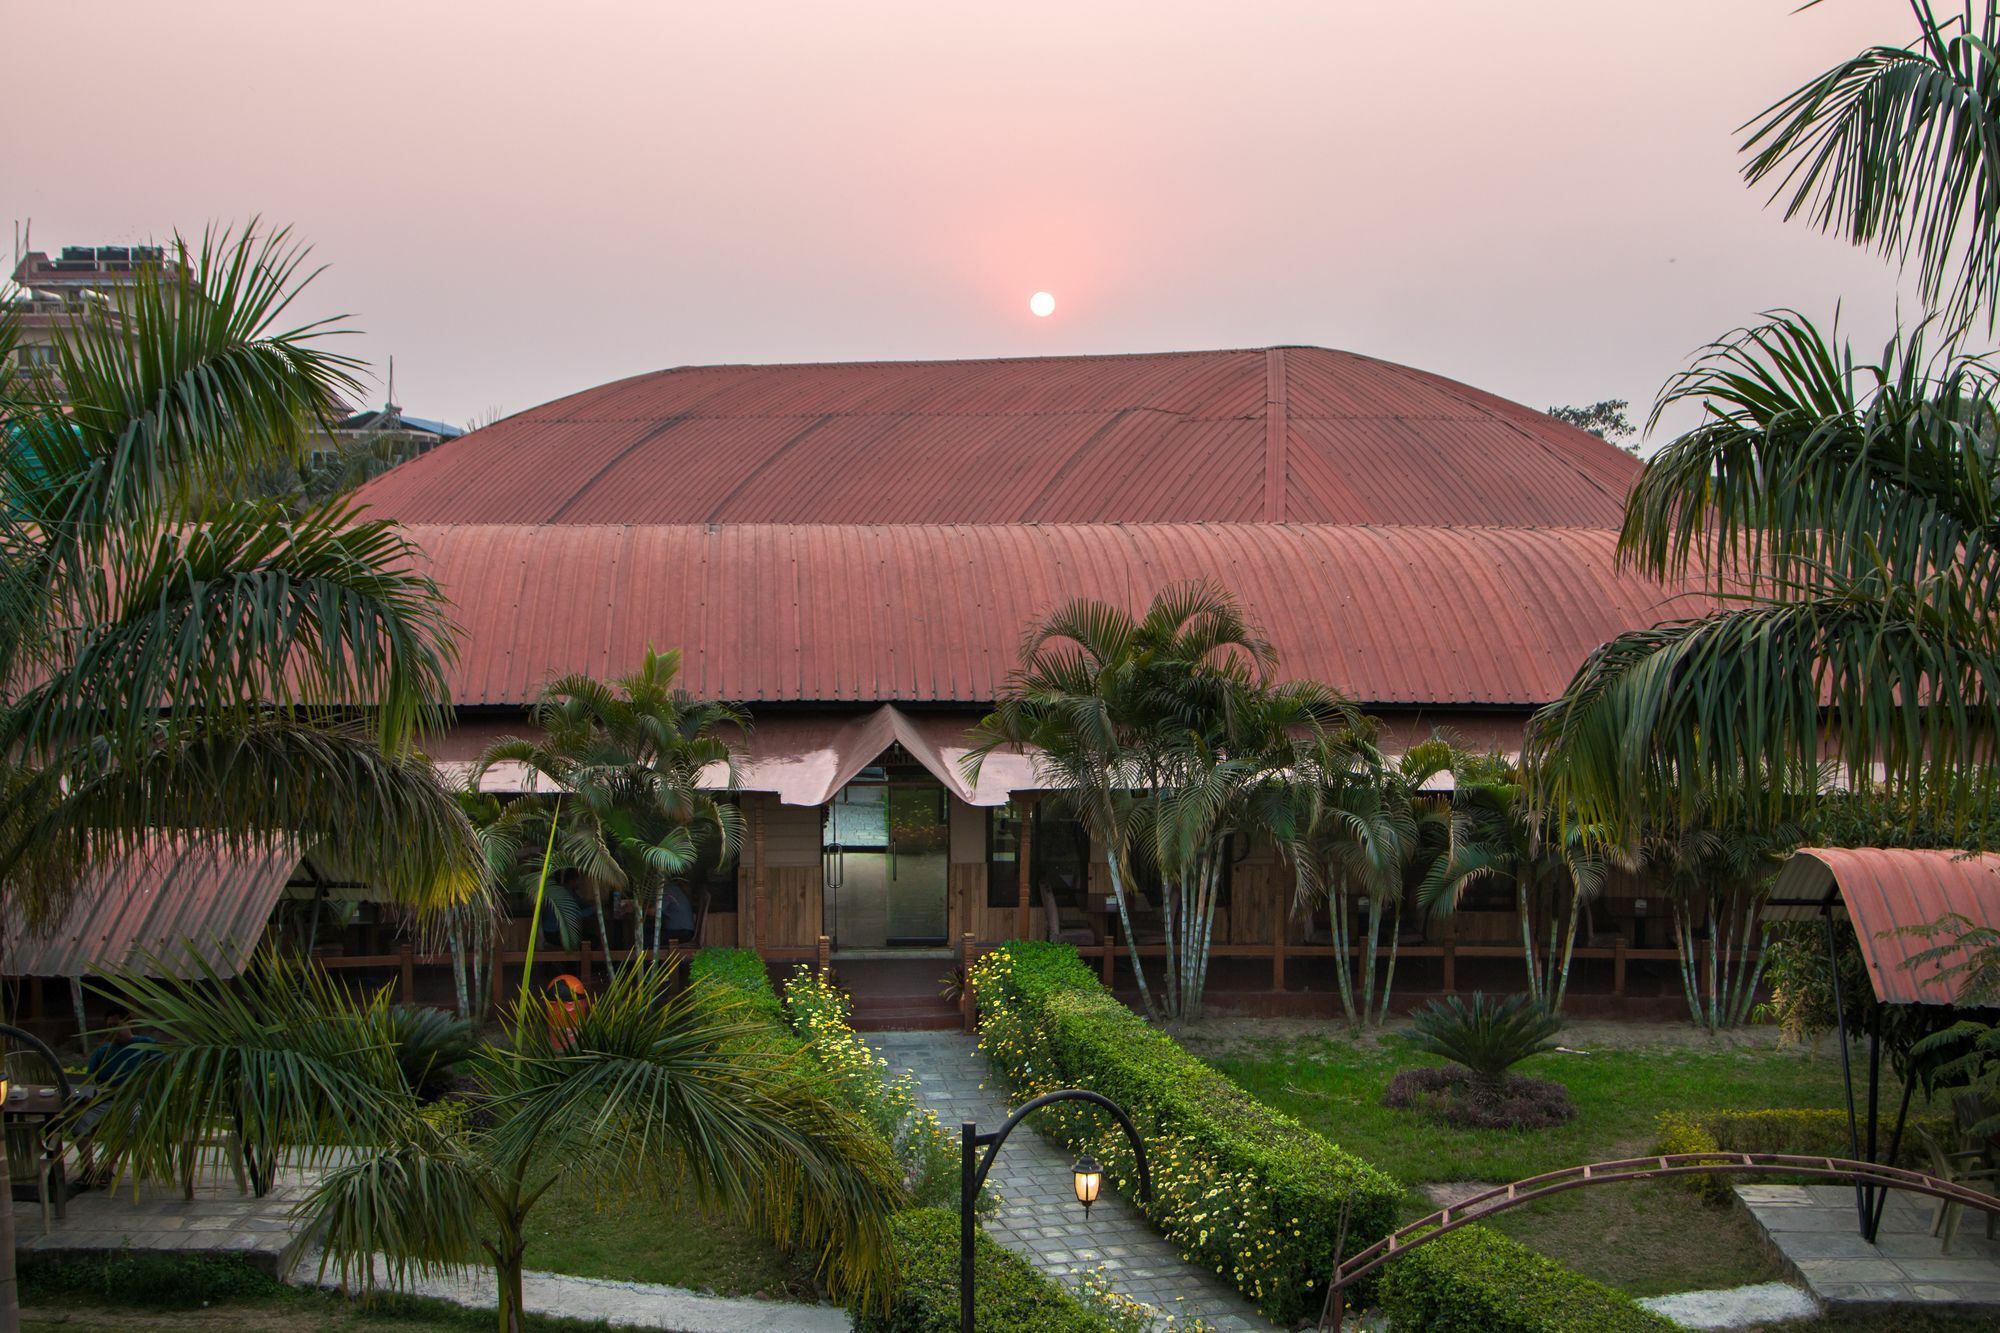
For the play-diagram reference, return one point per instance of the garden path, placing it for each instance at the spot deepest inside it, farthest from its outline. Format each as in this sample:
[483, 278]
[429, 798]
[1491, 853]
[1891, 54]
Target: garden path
[1038, 1217]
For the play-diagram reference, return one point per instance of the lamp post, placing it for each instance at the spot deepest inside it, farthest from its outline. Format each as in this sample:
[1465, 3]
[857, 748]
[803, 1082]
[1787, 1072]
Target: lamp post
[1087, 1175]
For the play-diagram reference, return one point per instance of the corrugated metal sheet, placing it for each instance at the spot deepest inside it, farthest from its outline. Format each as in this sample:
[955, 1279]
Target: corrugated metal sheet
[934, 614]
[164, 910]
[1291, 434]
[1884, 891]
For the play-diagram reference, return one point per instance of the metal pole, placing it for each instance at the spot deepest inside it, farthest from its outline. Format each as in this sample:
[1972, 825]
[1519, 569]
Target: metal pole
[1869, 1222]
[968, 1190]
[1846, 1066]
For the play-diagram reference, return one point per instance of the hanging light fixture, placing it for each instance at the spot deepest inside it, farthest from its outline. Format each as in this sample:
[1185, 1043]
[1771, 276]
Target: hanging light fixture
[1089, 1181]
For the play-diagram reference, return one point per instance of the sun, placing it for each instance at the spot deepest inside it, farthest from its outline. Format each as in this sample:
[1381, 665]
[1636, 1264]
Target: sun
[1042, 305]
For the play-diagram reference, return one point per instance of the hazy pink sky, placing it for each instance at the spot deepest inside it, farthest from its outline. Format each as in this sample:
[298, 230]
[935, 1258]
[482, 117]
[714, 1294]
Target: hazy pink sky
[520, 200]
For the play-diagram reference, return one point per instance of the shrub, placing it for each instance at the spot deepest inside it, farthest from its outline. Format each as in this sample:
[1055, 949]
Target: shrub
[1012, 1294]
[1453, 1096]
[429, 1042]
[1242, 1190]
[742, 972]
[1477, 1281]
[819, 1013]
[156, 1281]
[1806, 1132]
[1488, 1036]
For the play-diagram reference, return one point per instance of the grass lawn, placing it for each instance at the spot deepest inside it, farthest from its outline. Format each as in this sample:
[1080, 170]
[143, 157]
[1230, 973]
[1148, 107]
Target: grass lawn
[644, 1238]
[1649, 1238]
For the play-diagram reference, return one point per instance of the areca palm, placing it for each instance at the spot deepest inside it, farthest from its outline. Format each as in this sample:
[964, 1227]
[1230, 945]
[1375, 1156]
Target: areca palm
[1845, 516]
[1898, 149]
[660, 1085]
[629, 758]
[172, 659]
[1130, 721]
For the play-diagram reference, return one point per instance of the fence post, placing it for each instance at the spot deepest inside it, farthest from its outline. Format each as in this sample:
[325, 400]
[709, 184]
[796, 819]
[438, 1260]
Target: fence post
[1618, 967]
[583, 962]
[409, 972]
[967, 1010]
[824, 961]
[1451, 967]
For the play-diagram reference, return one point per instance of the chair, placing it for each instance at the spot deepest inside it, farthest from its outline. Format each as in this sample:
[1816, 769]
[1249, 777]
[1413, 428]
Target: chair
[1065, 934]
[34, 1155]
[1960, 1168]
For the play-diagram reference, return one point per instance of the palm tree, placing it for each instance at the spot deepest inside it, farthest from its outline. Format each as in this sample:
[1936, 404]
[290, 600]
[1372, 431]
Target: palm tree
[1718, 876]
[174, 661]
[1846, 512]
[629, 757]
[1157, 732]
[662, 1085]
[1557, 868]
[1898, 149]
[1375, 833]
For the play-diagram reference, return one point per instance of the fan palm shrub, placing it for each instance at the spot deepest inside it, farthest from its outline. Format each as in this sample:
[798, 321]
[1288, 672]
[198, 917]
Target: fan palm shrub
[1487, 1037]
[660, 1085]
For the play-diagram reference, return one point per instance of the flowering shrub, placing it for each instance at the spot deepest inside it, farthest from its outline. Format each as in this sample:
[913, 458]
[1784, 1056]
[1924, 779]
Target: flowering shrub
[819, 1015]
[1477, 1281]
[1242, 1190]
[1804, 1131]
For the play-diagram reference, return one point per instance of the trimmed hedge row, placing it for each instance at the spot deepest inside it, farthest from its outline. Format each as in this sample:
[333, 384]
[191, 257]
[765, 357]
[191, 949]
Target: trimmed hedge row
[1806, 1132]
[1012, 1294]
[743, 971]
[1244, 1191]
[1477, 1281]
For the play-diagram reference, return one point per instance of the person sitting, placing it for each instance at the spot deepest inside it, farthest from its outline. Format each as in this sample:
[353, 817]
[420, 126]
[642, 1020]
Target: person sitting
[121, 1053]
[676, 915]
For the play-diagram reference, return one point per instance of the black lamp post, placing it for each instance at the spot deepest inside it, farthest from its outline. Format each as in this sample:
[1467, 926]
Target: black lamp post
[1088, 1175]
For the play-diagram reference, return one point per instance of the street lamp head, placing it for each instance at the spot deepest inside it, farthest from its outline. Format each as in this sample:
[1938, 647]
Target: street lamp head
[1089, 1182]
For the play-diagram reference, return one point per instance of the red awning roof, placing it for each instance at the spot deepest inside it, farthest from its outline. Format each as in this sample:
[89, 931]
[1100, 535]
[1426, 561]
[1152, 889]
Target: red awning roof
[1884, 891]
[161, 911]
[805, 759]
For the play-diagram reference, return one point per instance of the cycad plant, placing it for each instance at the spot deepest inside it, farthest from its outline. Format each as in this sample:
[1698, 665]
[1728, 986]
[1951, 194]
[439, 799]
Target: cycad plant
[629, 758]
[1487, 1037]
[660, 1085]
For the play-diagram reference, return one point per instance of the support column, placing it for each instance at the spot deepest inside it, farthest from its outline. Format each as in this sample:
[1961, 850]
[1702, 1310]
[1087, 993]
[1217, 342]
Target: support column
[753, 935]
[1024, 919]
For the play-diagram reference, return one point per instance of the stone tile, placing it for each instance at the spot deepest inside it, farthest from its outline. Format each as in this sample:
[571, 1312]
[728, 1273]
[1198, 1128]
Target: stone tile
[1849, 1270]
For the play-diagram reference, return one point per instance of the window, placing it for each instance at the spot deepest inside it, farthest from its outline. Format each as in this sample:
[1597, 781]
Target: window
[1060, 854]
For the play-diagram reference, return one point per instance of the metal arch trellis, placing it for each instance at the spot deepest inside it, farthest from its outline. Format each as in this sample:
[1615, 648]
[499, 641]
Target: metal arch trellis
[1502, 1197]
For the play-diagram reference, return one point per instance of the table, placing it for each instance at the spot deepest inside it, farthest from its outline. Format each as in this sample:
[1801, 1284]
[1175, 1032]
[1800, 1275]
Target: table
[42, 1104]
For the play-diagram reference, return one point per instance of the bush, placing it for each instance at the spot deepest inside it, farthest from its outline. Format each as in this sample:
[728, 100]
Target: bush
[154, 1281]
[819, 1012]
[1012, 1294]
[429, 1042]
[1454, 1096]
[742, 972]
[1805, 1132]
[1477, 1281]
[1242, 1190]
[1487, 1037]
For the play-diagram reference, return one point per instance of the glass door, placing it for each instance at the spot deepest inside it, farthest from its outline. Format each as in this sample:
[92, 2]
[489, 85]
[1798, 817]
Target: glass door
[886, 851]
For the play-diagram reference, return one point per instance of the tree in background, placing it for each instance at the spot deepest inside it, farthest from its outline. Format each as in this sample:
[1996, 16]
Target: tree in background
[629, 759]
[1165, 737]
[1606, 420]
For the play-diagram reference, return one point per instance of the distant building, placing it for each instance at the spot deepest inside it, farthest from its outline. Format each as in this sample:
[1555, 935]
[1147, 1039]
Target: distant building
[49, 292]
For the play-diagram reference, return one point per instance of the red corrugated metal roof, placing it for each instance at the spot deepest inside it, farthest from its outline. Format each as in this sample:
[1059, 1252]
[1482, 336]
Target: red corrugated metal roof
[1885, 890]
[179, 903]
[1290, 434]
[932, 613]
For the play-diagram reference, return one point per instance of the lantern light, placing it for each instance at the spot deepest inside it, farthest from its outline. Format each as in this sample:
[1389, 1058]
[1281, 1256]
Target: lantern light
[1089, 1182]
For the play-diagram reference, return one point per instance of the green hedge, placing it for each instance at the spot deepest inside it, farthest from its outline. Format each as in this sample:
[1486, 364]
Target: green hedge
[145, 1279]
[1012, 1295]
[1806, 1132]
[743, 971]
[1477, 1281]
[1242, 1190]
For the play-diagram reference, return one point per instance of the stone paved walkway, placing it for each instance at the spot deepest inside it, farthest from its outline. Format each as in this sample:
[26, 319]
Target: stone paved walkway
[1816, 1230]
[1038, 1217]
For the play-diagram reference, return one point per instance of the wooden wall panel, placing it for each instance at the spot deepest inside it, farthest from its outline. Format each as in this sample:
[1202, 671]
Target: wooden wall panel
[719, 929]
[793, 900]
[791, 833]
